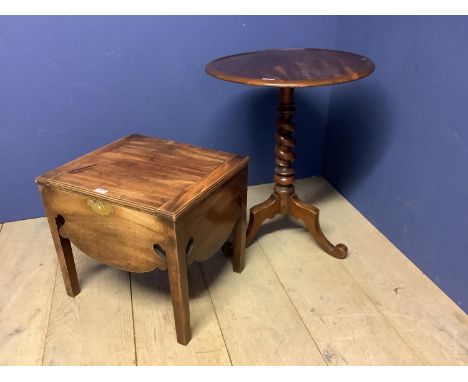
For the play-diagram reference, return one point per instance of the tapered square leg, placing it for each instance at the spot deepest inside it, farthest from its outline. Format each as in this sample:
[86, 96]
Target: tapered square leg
[64, 255]
[178, 282]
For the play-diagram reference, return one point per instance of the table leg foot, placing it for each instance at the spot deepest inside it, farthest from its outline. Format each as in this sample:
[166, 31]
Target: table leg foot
[309, 214]
[261, 212]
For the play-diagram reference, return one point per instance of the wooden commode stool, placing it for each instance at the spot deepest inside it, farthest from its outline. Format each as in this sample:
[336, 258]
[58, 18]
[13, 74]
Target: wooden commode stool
[142, 203]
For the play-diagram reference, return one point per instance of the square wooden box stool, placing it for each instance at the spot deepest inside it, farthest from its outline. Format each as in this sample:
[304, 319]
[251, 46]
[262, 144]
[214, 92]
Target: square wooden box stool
[142, 203]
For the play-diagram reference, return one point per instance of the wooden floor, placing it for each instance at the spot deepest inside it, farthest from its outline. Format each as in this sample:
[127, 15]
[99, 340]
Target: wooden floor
[292, 305]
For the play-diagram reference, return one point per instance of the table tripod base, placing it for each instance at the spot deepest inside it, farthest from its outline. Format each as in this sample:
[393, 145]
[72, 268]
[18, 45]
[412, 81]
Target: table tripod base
[284, 200]
[290, 204]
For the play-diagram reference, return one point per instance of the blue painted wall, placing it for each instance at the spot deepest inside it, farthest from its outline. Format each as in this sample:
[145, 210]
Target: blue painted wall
[397, 144]
[71, 84]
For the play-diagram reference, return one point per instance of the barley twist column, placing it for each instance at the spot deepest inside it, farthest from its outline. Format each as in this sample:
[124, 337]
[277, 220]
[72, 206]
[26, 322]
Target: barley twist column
[284, 149]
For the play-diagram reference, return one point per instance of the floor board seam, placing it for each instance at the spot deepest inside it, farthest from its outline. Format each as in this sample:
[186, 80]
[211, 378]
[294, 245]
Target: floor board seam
[397, 250]
[359, 284]
[382, 313]
[133, 318]
[50, 313]
[378, 294]
[216, 314]
[292, 303]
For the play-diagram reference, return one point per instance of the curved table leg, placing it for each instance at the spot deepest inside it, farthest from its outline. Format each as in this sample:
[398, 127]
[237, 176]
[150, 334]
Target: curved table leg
[259, 213]
[309, 214]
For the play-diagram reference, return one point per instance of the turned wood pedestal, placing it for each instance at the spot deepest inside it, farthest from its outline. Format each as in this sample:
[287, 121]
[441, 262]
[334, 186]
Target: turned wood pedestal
[142, 203]
[289, 69]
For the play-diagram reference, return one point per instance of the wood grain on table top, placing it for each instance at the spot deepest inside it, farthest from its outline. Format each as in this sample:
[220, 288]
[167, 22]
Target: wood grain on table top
[149, 174]
[291, 67]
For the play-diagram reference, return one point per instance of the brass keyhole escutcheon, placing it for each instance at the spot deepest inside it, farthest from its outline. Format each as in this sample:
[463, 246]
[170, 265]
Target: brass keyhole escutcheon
[99, 207]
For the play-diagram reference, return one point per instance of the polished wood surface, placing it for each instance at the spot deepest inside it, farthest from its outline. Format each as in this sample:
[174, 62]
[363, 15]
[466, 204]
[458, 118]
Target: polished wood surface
[288, 69]
[291, 67]
[219, 213]
[176, 250]
[142, 203]
[123, 239]
[147, 174]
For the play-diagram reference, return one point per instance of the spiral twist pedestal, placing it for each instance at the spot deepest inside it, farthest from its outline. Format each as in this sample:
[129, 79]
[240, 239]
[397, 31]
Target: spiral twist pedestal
[284, 200]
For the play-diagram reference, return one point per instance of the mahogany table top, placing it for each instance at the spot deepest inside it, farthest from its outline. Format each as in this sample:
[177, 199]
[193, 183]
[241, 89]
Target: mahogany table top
[291, 67]
[148, 174]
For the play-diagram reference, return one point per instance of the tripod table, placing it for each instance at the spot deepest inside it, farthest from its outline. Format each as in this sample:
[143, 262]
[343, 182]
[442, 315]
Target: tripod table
[288, 69]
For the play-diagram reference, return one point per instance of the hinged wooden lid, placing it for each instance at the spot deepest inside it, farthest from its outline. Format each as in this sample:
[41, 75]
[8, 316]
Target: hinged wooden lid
[148, 174]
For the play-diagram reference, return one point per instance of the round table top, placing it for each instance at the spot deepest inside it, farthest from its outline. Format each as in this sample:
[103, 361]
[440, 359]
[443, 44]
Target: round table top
[291, 67]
